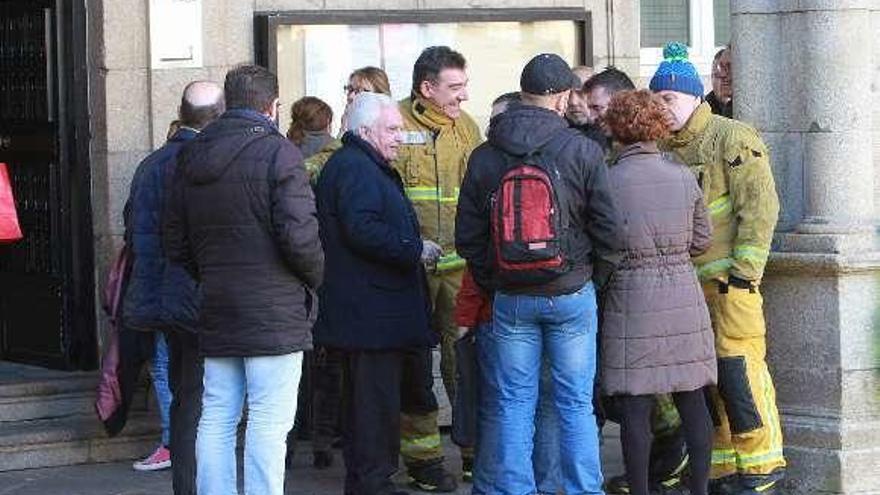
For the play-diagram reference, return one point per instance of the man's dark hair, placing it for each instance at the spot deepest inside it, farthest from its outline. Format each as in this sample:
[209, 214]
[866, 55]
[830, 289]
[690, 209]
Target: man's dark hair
[251, 87]
[611, 79]
[432, 61]
[508, 98]
[198, 116]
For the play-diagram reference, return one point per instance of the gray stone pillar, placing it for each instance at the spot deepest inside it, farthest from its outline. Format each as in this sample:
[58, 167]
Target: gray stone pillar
[802, 76]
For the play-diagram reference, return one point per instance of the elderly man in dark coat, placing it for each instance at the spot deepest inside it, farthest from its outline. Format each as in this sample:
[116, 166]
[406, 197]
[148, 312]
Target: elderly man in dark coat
[375, 304]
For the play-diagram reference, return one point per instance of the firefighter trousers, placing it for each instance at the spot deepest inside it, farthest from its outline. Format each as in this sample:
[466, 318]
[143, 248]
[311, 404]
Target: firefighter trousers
[748, 435]
[419, 433]
[420, 438]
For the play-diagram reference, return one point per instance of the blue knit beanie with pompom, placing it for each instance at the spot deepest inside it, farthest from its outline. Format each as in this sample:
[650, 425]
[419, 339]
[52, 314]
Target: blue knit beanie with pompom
[676, 73]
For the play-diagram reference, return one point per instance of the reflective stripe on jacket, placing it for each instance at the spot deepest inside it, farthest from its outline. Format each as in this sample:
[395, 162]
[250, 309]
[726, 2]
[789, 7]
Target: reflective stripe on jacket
[432, 162]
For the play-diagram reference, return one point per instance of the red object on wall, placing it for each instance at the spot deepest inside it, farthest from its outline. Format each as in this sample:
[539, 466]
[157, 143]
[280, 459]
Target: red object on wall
[10, 231]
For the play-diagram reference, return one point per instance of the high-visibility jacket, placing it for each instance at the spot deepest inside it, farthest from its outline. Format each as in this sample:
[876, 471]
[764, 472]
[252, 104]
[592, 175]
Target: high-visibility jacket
[432, 161]
[732, 166]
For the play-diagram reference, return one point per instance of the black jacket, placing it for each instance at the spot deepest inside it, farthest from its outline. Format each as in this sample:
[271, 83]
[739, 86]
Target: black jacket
[719, 108]
[596, 240]
[159, 295]
[374, 294]
[242, 219]
[595, 133]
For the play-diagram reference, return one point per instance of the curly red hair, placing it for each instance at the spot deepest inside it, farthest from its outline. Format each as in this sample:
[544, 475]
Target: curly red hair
[636, 115]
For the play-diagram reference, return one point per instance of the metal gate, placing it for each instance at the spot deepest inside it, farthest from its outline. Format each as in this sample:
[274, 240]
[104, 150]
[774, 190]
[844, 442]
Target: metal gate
[46, 280]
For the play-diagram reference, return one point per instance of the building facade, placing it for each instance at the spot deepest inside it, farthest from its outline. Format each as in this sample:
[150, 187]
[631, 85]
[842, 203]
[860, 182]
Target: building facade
[806, 74]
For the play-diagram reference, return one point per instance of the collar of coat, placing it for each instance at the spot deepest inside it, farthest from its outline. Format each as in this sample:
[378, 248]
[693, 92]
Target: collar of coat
[641, 148]
[352, 139]
[693, 128]
[428, 114]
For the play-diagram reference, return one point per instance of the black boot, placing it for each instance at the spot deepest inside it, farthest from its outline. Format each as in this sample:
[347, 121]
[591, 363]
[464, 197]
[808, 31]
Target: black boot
[431, 477]
[761, 484]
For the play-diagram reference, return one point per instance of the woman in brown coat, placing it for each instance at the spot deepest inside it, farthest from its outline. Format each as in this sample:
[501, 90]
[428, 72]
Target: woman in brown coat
[656, 335]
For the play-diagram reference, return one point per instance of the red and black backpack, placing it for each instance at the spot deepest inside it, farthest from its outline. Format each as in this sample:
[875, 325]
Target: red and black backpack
[530, 223]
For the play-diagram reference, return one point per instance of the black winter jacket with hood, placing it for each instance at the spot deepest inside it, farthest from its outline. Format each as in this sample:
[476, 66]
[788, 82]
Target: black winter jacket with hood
[242, 219]
[595, 241]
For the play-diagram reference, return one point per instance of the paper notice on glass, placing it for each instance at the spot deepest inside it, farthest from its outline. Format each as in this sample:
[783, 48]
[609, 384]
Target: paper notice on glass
[332, 52]
[401, 46]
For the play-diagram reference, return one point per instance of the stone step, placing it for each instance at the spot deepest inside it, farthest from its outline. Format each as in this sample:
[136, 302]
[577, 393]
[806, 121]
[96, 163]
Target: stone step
[72, 440]
[45, 406]
[49, 385]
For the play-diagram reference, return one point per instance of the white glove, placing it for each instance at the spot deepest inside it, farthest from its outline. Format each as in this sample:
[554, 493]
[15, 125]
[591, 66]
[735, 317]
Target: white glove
[431, 252]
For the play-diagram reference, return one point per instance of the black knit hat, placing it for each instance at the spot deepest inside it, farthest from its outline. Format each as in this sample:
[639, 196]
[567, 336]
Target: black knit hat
[547, 74]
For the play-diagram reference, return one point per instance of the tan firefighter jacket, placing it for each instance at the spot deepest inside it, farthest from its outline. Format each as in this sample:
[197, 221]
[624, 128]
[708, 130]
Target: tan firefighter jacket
[432, 161]
[733, 168]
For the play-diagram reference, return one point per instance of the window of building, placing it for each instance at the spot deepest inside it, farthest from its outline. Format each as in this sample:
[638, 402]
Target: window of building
[313, 54]
[721, 13]
[663, 21]
[704, 25]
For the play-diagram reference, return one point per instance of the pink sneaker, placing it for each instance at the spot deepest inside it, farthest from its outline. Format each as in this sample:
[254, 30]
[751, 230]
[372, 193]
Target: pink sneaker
[159, 459]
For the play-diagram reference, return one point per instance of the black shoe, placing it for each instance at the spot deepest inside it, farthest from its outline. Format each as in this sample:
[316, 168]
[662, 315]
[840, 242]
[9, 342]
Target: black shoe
[467, 469]
[617, 485]
[675, 490]
[431, 477]
[322, 459]
[672, 485]
[727, 485]
[760, 484]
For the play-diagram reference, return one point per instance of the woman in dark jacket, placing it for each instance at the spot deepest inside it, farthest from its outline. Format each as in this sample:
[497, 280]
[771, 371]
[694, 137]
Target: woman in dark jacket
[310, 121]
[656, 336]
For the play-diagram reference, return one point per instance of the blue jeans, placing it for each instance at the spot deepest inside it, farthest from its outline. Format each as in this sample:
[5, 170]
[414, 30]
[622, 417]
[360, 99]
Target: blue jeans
[545, 457]
[159, 374]
[270, 384]
[525, 329]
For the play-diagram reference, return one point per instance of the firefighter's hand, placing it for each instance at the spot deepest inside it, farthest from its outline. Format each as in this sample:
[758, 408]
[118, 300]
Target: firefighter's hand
[431, 252]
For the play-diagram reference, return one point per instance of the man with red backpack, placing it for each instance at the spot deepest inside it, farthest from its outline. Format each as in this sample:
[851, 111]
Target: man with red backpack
[536, 222]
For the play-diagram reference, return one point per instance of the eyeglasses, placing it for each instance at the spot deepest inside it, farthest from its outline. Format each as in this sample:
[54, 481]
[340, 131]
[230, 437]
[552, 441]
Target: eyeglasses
[349, 89]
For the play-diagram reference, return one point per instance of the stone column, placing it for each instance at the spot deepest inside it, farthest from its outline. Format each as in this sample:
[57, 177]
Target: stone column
[802, 76]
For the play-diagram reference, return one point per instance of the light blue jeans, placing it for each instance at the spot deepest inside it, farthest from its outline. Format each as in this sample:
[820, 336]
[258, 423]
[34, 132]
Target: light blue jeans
[525, 330]
[545, 457]
[159, 375]
[270, 384]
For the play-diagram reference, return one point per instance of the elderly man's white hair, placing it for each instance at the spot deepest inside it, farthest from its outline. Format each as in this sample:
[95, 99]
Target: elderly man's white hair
[365, 109]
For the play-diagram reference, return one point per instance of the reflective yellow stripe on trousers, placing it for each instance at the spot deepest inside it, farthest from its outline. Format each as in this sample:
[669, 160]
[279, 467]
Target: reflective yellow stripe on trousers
[423, 443]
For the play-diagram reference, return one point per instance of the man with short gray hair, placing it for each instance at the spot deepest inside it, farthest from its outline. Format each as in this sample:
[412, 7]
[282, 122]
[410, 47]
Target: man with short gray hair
[374, 298]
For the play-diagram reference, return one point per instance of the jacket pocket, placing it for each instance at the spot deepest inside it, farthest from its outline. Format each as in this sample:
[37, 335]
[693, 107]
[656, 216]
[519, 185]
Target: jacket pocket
[389, 283]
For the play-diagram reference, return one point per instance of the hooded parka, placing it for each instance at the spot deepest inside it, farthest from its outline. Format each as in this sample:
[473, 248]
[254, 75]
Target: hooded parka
[242, 219]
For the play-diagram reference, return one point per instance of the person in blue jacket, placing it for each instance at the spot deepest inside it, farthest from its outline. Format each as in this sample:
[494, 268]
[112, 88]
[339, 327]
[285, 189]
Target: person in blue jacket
[162, 299]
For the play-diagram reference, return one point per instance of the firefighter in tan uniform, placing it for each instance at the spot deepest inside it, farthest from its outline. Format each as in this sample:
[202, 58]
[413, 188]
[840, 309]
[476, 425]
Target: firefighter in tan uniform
[437, 141]
[733, 169]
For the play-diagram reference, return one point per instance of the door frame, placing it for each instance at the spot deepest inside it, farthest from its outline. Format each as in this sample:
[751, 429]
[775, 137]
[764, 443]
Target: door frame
[68, 75]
